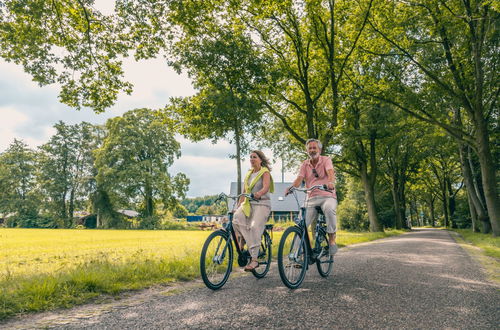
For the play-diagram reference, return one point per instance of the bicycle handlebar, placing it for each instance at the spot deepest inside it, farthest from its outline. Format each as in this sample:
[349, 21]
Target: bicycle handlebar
[320, 187]
[235, 197]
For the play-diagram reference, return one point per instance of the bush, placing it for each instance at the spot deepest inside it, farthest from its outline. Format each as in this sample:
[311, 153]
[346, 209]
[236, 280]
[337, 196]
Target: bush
[151, 222]
[352, 215]
[31, 221]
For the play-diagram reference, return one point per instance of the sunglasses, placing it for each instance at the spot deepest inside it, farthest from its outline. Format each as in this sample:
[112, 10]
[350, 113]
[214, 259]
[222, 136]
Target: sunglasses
[315, 173]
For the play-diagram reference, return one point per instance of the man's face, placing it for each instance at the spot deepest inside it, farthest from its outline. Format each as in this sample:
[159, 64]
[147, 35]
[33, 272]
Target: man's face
[313, 150]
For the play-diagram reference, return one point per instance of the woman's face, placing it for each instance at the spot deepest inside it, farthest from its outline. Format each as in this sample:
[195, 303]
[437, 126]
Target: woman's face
[255, 161]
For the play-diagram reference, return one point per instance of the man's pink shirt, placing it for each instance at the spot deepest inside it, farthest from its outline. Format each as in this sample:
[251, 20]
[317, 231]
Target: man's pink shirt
[306, 171]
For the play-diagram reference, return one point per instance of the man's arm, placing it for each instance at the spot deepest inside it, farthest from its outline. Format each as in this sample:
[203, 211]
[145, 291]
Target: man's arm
[331, 179]
[295, 183]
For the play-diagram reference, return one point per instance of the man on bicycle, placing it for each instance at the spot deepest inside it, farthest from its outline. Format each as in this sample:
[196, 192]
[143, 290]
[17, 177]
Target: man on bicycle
[318, 170]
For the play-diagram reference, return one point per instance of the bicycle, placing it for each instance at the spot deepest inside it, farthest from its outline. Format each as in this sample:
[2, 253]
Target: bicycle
[216, 260]
[295, 253]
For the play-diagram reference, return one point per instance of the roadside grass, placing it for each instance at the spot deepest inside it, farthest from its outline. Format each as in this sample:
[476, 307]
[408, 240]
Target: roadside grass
[43, 269]
[489, 244]
[484, 248]
[345, 238]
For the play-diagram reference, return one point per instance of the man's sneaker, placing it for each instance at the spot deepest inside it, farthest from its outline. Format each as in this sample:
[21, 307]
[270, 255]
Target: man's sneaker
[333, 249]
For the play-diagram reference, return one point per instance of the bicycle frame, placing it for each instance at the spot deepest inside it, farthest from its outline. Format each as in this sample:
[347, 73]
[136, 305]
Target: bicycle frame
[303, 227]
[229, 226]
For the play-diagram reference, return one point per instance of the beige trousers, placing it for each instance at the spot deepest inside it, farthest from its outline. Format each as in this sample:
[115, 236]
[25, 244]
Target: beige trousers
[252, 227]
[328, 206]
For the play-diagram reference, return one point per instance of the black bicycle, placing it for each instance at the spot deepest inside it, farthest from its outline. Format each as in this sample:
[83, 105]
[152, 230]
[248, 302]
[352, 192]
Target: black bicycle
[216, 260]
[295, 253]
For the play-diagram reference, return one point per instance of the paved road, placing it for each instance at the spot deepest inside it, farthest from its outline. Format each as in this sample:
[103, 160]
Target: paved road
[422, 279]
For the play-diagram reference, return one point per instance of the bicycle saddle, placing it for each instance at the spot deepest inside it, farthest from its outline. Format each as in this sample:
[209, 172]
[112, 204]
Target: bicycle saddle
[320, 211]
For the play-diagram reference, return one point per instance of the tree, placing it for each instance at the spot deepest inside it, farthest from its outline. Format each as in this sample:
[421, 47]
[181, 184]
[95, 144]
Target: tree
[66, 168]
[18, 187]
[69, 43]
[447, 58]
[364, 127]
[225, 70]
[402, 152]
[134, 159]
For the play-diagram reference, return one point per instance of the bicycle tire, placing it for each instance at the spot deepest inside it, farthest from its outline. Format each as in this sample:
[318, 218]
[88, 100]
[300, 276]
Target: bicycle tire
[265, 256]
[324, 261]
[216, 260]
[292, 257]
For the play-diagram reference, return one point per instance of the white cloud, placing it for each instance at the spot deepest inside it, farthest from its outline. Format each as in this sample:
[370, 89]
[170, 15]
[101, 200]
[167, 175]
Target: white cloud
[28, 112]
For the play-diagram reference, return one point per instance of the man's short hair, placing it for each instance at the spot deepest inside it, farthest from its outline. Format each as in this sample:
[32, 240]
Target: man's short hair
[314, 140]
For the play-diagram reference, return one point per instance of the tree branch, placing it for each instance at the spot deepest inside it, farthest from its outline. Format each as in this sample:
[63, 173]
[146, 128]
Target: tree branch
[283, 120]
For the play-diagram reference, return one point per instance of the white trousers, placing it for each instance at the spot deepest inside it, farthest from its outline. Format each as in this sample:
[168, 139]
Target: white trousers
[251, 227]
[328, 206]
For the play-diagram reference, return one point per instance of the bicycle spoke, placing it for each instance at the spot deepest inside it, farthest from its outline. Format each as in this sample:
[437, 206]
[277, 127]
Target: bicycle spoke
[292, 258]
[216, 260]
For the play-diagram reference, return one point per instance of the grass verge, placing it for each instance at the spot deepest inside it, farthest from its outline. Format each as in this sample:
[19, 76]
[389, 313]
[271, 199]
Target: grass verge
[66, 273]
[484, 248]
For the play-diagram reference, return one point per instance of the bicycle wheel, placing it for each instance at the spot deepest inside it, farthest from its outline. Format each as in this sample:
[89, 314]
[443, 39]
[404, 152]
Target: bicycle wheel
[265, 256]
[216, 260]
[324, 261]
[292, 257]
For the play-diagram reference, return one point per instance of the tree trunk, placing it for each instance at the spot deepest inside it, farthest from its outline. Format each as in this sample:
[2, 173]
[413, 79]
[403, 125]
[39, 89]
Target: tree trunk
[370, 200]
[473, 214]
[98, 223]
[444, 199]
[148, 192]
[451, 204]
[397, 204]
[472, 191]
[71, 210]
[433, 213]
[237, 137]
[488, 175]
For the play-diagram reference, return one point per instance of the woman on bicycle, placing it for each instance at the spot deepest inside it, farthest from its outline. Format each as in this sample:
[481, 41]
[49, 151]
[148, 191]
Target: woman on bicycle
[251, 216]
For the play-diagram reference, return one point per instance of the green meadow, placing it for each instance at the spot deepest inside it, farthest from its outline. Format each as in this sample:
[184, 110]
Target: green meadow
[43, 269]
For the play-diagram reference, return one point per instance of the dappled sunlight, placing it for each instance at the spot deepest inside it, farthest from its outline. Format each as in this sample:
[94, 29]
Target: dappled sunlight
[348, 298]
[190, 305]
[464, 281]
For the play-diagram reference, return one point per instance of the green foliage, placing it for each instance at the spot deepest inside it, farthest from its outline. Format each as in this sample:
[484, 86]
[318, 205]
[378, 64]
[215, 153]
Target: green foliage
[67, 171]
[351, 213]
[134, 159]
[69, 43]
[180, 211]
[205, 205]
[31, 221]
[18, 189]
[151, 222]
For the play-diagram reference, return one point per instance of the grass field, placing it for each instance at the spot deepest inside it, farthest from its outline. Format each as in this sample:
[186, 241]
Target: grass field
[42, 269]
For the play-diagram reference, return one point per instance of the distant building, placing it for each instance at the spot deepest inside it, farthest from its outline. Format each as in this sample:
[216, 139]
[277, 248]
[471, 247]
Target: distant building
[205, 218]
[282, 208]
[128, 213]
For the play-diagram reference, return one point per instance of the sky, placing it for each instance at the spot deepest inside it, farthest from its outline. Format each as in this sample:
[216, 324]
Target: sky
[28, 112]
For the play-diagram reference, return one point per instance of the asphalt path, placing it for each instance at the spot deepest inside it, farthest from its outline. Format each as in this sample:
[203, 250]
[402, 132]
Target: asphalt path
[419, 280]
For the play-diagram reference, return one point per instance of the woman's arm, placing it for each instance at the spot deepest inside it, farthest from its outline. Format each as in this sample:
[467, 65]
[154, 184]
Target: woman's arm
[266, 182]
[242, 198]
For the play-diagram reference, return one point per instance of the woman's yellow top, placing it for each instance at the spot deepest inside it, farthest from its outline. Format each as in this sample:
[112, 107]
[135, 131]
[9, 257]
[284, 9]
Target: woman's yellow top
[248, 186]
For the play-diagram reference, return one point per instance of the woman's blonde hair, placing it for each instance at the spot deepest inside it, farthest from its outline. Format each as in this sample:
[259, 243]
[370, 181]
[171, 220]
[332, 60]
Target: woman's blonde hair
[263, 158]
